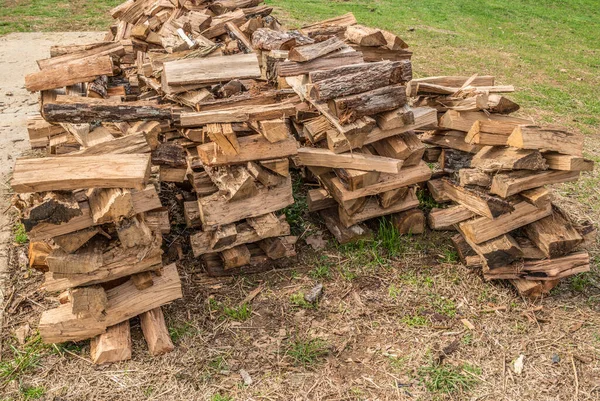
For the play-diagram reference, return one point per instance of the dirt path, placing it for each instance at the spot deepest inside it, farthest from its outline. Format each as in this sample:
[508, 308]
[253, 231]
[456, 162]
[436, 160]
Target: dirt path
[18, 53]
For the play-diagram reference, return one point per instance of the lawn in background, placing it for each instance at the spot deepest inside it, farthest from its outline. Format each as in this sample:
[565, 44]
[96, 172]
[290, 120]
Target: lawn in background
[55, 15]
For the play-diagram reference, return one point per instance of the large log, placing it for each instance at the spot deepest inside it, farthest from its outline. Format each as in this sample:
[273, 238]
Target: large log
[124, 302]
[63, 173]
[554, 235]
[331, 61]
[315, 50]
[358, 78]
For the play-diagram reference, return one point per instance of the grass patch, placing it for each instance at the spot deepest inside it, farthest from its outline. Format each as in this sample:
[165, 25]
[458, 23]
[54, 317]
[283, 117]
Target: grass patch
[307, 352]
[55, 15]
[448, 379]
[322, 270]
[20, 234]
[219, 397]
[180, 331]
[238, 313]
[32, 393]
[415, 321]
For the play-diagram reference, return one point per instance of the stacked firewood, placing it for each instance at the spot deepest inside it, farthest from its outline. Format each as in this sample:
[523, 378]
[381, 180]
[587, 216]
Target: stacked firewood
[171, 97]
[355, 123]
[499, 167]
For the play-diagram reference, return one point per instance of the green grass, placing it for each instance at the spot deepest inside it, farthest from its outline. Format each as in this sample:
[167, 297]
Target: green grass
[322, 269]
[20, 234]
[32, 393]
[55, 15]
[546, 49]
[307, 352]
[296, 213]
[219, 397]
[238, 313]
[180, 331]
[448, 379]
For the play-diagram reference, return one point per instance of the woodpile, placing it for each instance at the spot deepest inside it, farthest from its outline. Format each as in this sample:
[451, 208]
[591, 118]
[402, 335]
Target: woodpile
[212, 98]
[498, 171]
[172, 96]
[355, 124]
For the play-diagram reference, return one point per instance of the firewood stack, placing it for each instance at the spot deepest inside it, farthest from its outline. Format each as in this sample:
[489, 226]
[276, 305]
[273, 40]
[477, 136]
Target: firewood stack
[499, 167]
[355, 123]
[170, 96]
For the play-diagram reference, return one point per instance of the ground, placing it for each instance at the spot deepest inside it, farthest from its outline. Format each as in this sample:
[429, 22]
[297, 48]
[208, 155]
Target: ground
[390, 306]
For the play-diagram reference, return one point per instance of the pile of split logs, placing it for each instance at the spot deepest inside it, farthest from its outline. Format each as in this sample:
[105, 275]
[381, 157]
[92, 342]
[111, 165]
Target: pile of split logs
[212, 98]
[499, 168]
[357, 126]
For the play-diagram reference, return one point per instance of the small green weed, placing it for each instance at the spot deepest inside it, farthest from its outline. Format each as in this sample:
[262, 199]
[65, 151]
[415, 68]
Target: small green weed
[467, 339]
[306, 352]
[239, 313]
[448, 379]
[394, 292]
[348, 274]
[295, 212]
[390, 238]
[297, 299]
[322, 270]
[449, 256]
[180, 331]
[148, 391]
[218, 363]
[32, 393]
[415, 321]
[443, 305]
[219, 397]
[580, 282]
[20, 234]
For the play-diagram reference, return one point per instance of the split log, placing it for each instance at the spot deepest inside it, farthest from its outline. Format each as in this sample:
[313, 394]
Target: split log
[52, 208]
[76, 109]
[493, 158]
[275, 130]
[85, 260]
[133, 232]
[278, 166]
[316, 50]
[450, 139]
[70, 73]
[235, 257]
[507, 184]
[239, 114]
[351, 108]
[88, 302]
[110, 204]
[554, 235]
[329, 27]
[398, 118]
[544, 270]
[155, 332]
[497, 252]
[556, 161]
[210, 70]
[263, 175]
[478, 202]
[452, 160]
[112, 346]
[365, 36]
[319, 199]
[253, 147]
[490, 123]
[216, 210]
[269, 39]
[445, 219]
[484, 229]
[390, 198]
[224, 136]
[472, 176]
[61, 173]
[357, 161]
[404, 146]
[409, 222]
[221, 238]
[234, 182]
[546, 138]
[73, 241]
[539, 197]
